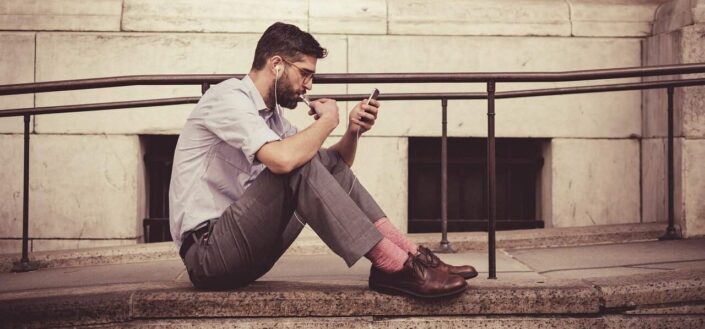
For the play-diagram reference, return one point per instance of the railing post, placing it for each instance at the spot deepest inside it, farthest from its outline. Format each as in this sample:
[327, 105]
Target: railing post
[24, 265]
[491, 181]
[671, 233]
[445, 244]
[204, 87]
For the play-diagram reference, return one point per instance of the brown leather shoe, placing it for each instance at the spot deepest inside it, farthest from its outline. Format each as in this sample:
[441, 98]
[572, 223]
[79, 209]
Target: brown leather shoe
[418, 280]
[431, 260]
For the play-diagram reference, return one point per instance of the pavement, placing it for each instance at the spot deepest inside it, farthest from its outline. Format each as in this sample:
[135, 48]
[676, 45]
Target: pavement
[538, 263]
[608, 283]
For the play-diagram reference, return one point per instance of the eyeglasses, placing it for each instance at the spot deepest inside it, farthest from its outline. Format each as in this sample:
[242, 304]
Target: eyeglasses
[306, 74]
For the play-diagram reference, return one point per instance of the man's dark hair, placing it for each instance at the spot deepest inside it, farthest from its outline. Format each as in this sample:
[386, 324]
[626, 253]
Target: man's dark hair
[288, 41]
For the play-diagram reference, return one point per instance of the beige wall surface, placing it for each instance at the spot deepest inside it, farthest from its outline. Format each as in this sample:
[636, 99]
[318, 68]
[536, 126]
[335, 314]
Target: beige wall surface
[20, 48]
[381, 166]
[212, 15]
[654, 175]
[595, 182]
[604, 162]
[677, 38]
[75, 15]
[601, 115]
[694, 188]
[82, 187]
[681, 46]
[63, 56]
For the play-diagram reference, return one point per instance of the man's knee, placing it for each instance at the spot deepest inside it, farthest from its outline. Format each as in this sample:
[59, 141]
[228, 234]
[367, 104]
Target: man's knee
[310, 167]
[331, 159]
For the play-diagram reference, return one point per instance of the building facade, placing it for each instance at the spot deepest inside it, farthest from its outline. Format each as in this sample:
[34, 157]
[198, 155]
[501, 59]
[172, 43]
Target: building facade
[601, 156]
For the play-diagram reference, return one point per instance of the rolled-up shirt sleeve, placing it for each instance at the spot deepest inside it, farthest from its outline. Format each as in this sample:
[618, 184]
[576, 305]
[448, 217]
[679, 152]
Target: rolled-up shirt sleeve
[289, 129]
[233, 118]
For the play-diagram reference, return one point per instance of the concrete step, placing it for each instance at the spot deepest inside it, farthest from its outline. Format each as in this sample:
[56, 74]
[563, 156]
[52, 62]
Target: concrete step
[655, 284]
[675, 299]
[460, 242]
[450, 322]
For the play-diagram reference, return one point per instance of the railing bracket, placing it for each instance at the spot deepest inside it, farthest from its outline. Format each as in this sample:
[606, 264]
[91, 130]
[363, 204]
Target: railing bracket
[24, 266]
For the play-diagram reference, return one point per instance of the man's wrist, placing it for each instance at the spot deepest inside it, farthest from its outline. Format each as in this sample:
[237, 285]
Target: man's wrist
[329, 120]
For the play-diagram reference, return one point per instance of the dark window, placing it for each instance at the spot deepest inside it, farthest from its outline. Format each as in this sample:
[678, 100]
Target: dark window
[519, 162]
[158, 158]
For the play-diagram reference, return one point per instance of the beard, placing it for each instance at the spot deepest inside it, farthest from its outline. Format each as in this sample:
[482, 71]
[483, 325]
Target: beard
[286, 94]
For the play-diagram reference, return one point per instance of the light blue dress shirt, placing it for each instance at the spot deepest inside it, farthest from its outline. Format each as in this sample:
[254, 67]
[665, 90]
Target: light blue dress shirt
[214, 161]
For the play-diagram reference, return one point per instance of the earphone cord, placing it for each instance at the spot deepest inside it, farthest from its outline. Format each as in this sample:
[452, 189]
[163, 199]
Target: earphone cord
[276, 104]
[276, 82]
[357, 138]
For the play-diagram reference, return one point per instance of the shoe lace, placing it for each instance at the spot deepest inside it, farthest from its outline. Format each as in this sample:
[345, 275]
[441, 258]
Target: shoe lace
[418, 265]
[428, 257]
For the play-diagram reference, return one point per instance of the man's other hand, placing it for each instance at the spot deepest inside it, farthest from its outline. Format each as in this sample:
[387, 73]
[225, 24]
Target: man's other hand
[325, 108]
[363, 115]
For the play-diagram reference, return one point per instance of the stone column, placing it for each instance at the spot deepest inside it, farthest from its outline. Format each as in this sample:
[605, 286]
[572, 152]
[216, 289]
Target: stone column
[678, 38]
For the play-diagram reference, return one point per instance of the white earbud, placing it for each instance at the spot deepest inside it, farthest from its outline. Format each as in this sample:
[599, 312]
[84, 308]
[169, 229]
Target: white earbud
[278, 69]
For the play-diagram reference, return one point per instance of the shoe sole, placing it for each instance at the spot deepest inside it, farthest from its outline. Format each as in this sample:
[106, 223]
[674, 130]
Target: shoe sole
[468, 277]
[399, 291]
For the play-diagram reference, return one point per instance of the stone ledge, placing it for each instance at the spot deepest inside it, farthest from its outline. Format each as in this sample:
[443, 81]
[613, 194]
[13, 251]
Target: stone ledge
[518, 322]
[274, 299]
[119, 303]
[669, 310]
[67, 310]
[631, 291]
[445, 322]
[612, 18]
[70, 306]
[649, 322]
[352, 302]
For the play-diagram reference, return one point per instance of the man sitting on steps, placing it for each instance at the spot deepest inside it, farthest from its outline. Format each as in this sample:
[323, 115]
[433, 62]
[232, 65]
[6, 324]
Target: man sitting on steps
[245, 181]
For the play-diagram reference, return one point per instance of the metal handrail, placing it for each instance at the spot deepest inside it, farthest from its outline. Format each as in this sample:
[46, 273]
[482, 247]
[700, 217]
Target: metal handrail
[490, 79]
[355, 97]
[335, 78]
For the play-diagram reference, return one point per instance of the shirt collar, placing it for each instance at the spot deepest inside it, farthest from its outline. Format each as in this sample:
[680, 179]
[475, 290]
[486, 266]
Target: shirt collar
[259, 101]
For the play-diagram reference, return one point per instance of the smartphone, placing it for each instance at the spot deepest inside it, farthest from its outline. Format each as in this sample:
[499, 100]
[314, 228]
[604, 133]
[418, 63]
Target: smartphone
[373, 95]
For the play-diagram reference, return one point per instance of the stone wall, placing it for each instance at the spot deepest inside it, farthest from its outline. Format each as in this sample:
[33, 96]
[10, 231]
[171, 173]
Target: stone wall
[85, 190]
[596, 135]
[679, 28]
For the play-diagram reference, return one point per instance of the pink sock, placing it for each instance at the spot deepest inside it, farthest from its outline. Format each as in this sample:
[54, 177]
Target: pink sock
[390, 232]
[386, 256]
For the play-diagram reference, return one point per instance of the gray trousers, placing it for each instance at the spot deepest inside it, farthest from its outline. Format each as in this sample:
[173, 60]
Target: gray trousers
[253, 233]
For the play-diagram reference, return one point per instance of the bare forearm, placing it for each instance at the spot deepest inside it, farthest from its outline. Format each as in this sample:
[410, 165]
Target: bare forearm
[288, 154]
[346, 147]
[361, 119]
[304, 145]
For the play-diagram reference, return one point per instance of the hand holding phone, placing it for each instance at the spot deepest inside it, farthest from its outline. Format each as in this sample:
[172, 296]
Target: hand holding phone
[373, 95]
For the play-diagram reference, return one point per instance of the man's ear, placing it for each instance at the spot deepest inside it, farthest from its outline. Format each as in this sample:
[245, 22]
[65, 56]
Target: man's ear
[276, 63]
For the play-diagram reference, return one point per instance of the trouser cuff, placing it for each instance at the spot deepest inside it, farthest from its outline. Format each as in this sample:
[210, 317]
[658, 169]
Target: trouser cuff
[363, 245]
